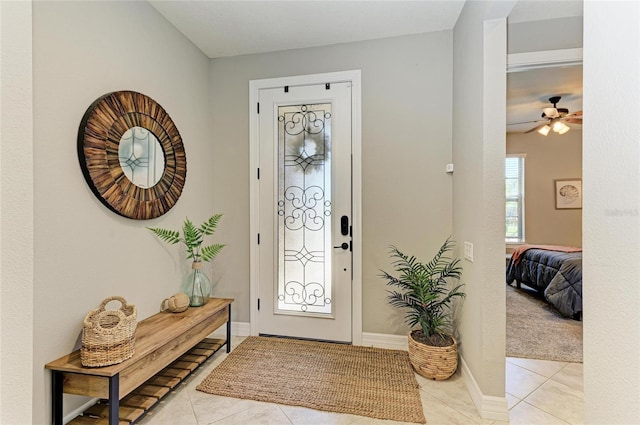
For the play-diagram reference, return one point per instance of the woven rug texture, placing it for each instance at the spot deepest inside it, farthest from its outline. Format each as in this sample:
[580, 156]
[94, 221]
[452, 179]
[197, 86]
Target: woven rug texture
[536, 330]
[341, 378]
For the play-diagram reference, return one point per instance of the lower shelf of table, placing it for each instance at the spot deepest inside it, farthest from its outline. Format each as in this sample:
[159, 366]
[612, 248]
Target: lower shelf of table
[135, 405]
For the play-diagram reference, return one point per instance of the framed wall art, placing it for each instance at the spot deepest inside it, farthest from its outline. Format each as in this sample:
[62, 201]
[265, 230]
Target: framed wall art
[568, 194]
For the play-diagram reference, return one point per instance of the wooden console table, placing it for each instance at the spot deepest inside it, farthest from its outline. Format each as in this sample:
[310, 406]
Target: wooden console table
[160, 340]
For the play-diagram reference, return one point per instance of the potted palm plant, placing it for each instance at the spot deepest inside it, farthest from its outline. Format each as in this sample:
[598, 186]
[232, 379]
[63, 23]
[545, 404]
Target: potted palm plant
[426, 291]
[197, 285]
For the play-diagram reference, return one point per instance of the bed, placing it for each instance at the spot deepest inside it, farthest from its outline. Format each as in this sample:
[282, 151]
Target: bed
[553, 271]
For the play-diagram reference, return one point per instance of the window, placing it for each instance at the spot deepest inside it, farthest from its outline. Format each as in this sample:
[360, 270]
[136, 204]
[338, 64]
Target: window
[514, 198]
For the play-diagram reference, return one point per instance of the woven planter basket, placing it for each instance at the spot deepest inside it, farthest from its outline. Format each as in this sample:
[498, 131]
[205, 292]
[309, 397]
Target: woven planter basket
[108, 336]
[437, 363]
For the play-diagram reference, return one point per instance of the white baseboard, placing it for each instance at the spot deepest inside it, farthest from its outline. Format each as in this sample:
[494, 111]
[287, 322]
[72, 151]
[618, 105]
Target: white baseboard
[237, 329]
[71, 415]
[393, 342]
[489, 407]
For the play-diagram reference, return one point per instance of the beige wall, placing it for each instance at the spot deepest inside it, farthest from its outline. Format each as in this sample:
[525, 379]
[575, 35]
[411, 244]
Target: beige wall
[549, 158]
[84, 252]
[406, 142]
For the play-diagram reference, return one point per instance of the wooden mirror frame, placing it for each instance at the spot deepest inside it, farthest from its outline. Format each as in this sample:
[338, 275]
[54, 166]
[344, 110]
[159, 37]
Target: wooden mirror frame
[101, 129]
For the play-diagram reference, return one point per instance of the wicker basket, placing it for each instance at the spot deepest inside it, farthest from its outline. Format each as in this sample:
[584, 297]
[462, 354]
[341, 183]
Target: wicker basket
[108, 336]
[437, 363]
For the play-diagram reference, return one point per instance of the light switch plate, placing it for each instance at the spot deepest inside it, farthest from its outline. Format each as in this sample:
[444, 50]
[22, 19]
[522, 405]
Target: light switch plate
[468, 251]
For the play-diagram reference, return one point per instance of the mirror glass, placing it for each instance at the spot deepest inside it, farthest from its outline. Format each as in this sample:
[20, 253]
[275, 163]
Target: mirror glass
[141, 157]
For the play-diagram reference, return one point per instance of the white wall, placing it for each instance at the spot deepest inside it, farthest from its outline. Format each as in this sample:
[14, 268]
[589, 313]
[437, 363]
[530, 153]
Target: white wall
[549, 34]
[479, 93]
[611, 218]
[84, 252]
[406, 142]
[16, 214]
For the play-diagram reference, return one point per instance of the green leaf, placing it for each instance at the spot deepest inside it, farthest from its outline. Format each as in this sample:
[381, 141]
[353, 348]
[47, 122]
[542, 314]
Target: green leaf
[209, 226]
[170, 236]
[209, 252]
[424, 288]
[193, 237]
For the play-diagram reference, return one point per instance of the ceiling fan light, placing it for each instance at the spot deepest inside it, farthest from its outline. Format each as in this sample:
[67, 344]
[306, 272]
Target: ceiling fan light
[544, 130]
[564, 129]
[558, 125]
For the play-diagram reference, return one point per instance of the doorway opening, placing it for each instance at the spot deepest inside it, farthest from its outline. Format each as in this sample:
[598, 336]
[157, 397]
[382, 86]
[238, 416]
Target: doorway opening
[544, 220]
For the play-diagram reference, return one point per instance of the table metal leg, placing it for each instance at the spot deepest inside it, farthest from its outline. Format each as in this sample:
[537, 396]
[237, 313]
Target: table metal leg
[229, 330]
[114, 400]
[56, 396]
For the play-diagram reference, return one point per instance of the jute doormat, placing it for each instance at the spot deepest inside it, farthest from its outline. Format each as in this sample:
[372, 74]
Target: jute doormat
[364, 381]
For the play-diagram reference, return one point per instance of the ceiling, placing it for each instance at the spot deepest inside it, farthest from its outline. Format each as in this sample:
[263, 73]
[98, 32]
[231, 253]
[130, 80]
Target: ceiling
[540, 10]
[229, 28]
[529, 91]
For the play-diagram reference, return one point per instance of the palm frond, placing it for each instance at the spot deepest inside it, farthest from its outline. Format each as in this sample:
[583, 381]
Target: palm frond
[391, 280]
[424, 288]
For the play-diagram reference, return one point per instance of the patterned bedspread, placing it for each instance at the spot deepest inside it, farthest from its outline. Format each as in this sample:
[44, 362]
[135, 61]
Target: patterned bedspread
[557, 275]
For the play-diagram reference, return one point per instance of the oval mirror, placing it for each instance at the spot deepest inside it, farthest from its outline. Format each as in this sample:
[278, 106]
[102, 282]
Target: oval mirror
[141, 157]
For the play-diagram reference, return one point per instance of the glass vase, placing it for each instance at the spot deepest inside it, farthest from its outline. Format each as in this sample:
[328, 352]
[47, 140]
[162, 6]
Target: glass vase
[197, 286]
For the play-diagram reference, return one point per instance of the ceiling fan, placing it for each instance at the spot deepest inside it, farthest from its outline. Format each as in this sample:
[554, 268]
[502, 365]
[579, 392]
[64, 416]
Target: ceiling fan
[555, 119]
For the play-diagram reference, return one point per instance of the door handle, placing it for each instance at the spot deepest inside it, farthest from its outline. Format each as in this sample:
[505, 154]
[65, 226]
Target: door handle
[344, 246]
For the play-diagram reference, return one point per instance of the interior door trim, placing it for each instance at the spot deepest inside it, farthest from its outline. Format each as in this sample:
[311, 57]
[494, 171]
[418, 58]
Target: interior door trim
[519, 62]
[353, 76]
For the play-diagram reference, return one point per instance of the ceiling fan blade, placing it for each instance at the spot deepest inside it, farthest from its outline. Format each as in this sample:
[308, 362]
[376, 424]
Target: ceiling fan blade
[577, 113]
[526, 122]
[574, 120]
[536, 128]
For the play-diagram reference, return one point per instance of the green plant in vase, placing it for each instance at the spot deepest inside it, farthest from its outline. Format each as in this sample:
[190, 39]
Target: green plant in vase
[197, 286]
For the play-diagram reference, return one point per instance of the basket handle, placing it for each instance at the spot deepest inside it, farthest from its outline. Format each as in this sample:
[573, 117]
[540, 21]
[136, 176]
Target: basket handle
[98, 319]
[107, 300]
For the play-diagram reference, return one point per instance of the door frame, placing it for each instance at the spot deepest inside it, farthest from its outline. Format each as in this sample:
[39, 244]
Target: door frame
[354, 77]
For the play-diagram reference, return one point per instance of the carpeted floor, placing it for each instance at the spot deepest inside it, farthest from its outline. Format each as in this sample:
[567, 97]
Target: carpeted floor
[536, 330]
[363, 381]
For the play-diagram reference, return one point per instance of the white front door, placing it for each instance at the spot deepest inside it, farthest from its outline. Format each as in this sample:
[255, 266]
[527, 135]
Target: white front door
[305, 212]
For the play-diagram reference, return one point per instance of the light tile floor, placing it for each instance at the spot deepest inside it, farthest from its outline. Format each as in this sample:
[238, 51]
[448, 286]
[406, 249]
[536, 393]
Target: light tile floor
[544, 392]
[538, 392]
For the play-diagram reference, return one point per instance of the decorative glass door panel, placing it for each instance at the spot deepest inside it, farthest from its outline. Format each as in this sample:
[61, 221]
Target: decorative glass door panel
[304, 209]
